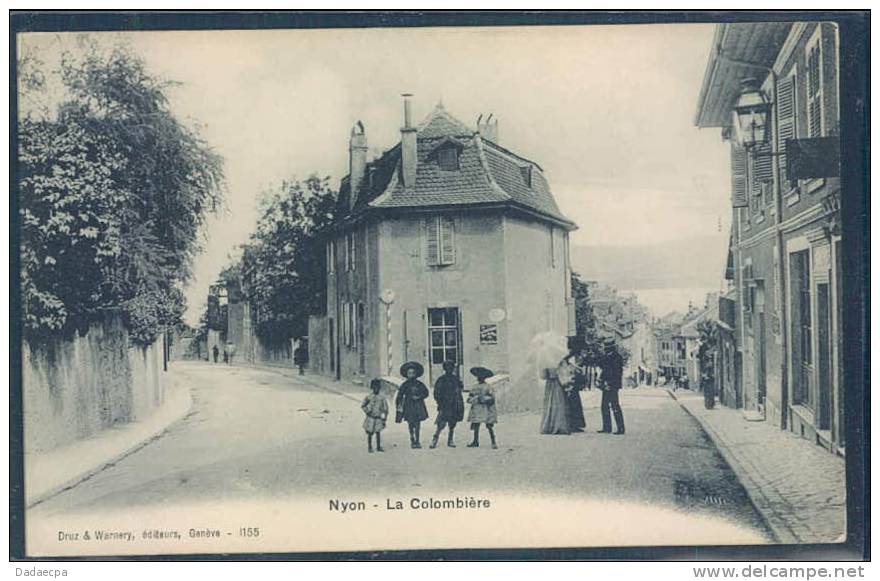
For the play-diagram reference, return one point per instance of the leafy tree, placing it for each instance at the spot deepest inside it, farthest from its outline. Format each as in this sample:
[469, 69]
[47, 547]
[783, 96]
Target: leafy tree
[113, 192]
[583, 312]
[708, 346]
[282, 268]
[593, 345]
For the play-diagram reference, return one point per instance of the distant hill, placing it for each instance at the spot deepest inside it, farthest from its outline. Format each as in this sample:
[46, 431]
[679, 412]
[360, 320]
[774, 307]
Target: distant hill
[691, 262]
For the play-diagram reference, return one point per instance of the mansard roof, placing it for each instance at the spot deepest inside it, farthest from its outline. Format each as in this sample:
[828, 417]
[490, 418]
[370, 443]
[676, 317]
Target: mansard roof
[488, 174]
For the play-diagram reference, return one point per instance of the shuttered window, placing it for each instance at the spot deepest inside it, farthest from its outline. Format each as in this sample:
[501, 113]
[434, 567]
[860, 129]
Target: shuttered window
[739, 161]
[440, 241]
[814, 84]
[350, 251]
[349, 337]
[331, 256]
[344, 319]
[762, 166]
[787, 122]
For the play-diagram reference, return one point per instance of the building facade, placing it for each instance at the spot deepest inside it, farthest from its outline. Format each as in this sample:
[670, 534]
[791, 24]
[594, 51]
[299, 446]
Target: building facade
[786, 235]
[446, 247]
[671, 346]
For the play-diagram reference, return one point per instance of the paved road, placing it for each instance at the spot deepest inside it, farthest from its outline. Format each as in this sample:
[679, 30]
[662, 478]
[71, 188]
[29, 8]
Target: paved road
[260, 433]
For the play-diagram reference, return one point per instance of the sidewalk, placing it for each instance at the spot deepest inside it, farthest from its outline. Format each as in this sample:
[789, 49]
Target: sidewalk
[347, 389]
[798, 487]
[48, 473]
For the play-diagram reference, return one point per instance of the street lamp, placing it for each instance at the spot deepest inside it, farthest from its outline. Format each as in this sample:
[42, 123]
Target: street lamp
[750, 115]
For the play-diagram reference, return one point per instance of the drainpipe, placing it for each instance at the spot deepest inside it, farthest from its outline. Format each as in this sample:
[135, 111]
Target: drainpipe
[781, 307]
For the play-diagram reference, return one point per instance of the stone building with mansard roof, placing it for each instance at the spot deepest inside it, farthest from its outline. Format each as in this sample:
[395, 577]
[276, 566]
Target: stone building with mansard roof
[448, 246]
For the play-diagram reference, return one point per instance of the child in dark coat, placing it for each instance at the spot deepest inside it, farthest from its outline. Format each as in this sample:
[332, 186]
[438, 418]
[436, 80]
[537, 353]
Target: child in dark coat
[450, 404]
[410, 400]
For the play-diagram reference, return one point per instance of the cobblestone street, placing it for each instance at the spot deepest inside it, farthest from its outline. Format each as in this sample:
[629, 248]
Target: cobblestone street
[799, 487]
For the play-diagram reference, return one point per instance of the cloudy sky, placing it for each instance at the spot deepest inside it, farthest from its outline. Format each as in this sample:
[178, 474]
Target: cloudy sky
[607, 111]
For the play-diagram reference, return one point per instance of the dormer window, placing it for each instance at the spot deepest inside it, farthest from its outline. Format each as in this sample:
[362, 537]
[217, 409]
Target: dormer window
[447, 158]
[527, 175]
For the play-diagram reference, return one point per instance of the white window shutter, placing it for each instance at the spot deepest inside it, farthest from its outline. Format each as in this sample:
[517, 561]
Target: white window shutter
[432, 242]
[787, 123]
[814, 91]
[762, 166]
[447, 240]
[345, 324]
[739, 168]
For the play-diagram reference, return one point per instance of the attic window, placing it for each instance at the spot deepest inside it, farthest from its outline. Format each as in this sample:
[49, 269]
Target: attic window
[527, 175]
[447, 158]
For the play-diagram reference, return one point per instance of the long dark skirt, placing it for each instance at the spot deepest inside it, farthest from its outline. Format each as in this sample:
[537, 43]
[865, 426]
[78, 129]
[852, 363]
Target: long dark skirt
[575, 410]
[555, 420]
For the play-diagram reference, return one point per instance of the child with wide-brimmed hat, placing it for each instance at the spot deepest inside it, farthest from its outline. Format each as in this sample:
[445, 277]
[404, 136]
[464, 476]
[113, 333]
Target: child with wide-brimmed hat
[410, 400]
[483, 410]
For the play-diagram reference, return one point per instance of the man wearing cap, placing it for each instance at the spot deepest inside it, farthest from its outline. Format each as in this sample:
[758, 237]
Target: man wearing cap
[612, 381]
[411, 400]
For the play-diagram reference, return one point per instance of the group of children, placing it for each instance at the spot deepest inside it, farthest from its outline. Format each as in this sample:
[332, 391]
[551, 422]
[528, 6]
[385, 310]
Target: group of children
[448, 393]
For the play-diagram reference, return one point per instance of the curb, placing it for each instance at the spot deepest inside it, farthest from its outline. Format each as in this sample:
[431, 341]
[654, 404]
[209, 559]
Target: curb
[183, 401]
[781, 531]
[279, 370]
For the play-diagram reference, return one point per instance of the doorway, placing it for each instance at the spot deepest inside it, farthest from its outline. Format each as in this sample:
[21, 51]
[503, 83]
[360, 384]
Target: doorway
[823, 321]
[361, 335]
[444, 340]
[759, 328]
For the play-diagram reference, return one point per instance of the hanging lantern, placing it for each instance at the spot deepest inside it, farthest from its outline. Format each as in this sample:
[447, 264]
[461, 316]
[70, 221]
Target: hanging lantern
[750, 115]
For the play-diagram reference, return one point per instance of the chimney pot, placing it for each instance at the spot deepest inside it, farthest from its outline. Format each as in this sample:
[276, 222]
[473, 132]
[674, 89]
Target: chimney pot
[408, 145]
[488, 127]
[407, 115]
[357, 161]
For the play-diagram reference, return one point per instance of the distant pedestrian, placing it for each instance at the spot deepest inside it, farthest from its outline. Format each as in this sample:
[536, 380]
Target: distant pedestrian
[410, 401]
[216, 352]
[375, 407]
[483, 409]
[450, 403]
[230, 348]
[300, 358]
[611, 382]
[225, 356]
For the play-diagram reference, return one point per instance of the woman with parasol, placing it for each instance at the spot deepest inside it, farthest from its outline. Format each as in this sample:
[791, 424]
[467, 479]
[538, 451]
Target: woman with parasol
[547, 352]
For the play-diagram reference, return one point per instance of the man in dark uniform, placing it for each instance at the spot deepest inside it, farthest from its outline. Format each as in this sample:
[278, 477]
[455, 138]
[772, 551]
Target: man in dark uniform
[612, 381]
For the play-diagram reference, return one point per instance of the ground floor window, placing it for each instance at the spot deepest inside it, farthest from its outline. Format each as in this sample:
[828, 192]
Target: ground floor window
[444, 337]
[801, 328]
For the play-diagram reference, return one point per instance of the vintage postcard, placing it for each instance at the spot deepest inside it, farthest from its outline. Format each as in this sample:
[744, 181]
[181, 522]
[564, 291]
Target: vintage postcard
[434, 287]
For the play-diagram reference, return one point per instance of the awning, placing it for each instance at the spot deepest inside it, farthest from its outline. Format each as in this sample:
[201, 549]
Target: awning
[757, 43]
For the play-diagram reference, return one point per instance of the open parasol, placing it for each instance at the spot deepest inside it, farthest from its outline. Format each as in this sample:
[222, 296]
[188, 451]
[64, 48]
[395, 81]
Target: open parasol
[547, 349]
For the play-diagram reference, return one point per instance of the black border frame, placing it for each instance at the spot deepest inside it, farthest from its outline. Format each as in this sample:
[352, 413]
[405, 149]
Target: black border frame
[854, 27]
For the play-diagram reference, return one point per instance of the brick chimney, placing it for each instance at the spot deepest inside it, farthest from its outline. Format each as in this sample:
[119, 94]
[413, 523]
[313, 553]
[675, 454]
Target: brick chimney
[357, 160]
[489, 128]
[408, 156]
